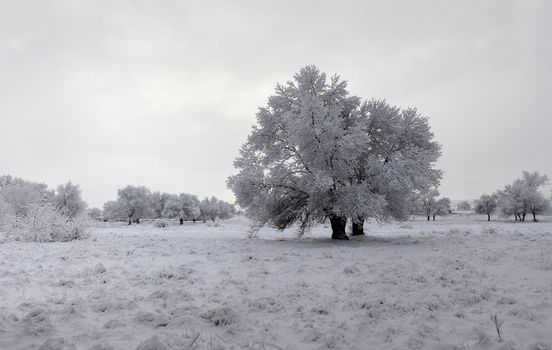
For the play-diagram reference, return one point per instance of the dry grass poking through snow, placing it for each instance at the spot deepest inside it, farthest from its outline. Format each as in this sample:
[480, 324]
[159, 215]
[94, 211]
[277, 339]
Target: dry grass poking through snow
[412, 286]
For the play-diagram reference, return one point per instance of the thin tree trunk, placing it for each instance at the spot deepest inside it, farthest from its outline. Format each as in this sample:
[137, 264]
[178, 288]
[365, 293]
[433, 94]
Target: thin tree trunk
[433, 217]
[130, 220]
[181, 221]
[338, 224]
[138, 220]
[534, 217]
[488, 217]
[358, 226]
[523, 217]
[428, 218]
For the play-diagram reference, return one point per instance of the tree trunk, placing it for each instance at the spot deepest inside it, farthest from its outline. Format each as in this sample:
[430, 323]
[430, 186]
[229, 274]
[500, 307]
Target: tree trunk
[181, 221]
[358, 226]
[523, 217]
[338, 224]
[428, 218]
[534, 217]
[138, 220]
[515, 216]
[130, 220]
[488, 217]
[433, 217]
[194, 220]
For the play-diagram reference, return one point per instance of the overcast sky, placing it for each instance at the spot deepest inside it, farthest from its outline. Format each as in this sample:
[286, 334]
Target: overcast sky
[163, 93]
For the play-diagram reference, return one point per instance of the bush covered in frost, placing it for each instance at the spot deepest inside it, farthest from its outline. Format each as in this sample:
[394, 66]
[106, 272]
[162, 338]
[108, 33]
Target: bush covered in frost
[31, 212]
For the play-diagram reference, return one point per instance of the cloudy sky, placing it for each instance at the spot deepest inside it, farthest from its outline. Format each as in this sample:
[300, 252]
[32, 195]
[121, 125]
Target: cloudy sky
[163, 93]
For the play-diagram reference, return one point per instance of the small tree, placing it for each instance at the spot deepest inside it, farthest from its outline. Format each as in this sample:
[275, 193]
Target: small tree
[134, 201]
[428, 202]
[94, 213]
[486, 204]
[68, 200]
[538, 205]
[523, 196]
[113, 210]
[158, 201]
[209, 209]
[443, 207]
[464, 205]
[184, 207]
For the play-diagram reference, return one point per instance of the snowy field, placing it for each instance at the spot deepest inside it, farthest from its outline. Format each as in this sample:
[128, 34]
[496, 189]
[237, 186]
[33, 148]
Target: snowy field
[415, 285]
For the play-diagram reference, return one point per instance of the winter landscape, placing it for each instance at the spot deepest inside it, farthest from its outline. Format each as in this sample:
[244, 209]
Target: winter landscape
[280, 175]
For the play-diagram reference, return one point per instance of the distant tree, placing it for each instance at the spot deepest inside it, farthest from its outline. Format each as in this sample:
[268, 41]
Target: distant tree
[464, 205]
[486, 204]
[134, 202]
[68, 201]
[511, 202]
[427, 202]
[94, 213]
[226, 210]
[184, 207]
[213, 208]
[523, 196]
[443, 207]
[208, 209]
[20, 195]
[158, 201]
[318, 152]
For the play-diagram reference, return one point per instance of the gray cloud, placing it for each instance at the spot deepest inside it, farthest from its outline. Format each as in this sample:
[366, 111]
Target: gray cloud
[163, 93]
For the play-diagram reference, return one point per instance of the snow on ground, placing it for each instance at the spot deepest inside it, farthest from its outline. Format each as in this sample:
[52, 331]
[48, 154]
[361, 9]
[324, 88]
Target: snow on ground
[415, 285]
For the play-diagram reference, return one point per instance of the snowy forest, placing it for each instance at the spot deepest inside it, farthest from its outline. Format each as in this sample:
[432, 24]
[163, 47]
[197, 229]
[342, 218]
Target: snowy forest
[289, 175]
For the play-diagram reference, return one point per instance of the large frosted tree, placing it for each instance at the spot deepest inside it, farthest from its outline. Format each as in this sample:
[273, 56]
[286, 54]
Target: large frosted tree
[318, 152]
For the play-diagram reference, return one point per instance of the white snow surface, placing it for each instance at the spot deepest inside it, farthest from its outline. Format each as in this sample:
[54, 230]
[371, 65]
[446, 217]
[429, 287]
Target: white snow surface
[413, 285]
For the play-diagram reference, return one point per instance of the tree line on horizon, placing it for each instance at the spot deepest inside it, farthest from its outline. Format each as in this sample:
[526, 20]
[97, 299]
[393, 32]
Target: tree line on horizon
[135, 203]
[31, 211]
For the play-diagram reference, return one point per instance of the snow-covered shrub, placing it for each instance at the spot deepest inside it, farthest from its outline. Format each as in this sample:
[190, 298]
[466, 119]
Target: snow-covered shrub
[161, 224]
[68, 201]
[31, 212]
[45, 224]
